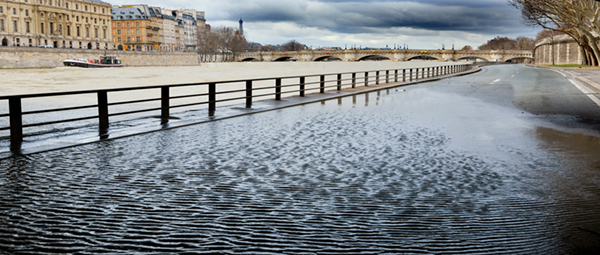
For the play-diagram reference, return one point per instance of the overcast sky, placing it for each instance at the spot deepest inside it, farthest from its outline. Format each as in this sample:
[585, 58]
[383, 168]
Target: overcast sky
[425, 24]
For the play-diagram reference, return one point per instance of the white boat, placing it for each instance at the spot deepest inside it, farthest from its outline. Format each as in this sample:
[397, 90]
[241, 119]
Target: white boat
[104, 61]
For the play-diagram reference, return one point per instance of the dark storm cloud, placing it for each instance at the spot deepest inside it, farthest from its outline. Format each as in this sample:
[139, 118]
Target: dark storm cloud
[476, 16]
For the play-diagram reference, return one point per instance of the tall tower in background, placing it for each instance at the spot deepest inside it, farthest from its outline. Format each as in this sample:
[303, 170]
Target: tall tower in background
[241, 27]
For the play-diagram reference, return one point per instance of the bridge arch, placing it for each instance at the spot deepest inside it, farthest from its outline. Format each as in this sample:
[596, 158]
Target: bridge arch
[373, 58]
[472, 58]
[327, 58]
[284, 59]
[520, 60]
[423, 57]
[250, 60]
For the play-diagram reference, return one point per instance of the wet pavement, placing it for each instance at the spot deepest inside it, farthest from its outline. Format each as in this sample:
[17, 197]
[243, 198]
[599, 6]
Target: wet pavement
[500, 162]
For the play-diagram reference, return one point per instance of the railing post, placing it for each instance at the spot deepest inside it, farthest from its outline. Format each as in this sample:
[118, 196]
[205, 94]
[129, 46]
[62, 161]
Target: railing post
[387, 76]
[428, 72]
[212, 98]
[377, 77]
[423, 73]
[410, 76]
[366, 79]
[396, 75]
[322, 84]
[339, 82]
[164, 104]
[353, 80]
[278, 89]
[249, 94]
[103, 112]
[416, 73]
[302, 84]
[16, 123]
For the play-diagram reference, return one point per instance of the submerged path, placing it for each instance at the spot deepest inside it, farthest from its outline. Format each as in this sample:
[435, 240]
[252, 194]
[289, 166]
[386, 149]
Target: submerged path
[503, 161]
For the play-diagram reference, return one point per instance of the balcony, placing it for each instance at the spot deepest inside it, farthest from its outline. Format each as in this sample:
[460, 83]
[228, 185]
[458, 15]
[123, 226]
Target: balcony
[150, 35]
[156, 28]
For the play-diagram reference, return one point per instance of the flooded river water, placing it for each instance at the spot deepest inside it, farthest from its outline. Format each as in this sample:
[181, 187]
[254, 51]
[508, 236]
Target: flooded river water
[434, 168]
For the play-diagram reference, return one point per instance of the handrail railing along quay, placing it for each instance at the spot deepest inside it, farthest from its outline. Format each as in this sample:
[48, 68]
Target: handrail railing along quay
[270, 87]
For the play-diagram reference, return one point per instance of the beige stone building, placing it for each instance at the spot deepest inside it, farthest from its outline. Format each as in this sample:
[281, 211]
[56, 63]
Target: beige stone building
[80, 24]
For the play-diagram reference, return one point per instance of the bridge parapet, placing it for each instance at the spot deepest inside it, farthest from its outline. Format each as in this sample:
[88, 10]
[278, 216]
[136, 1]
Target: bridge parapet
[394, 55]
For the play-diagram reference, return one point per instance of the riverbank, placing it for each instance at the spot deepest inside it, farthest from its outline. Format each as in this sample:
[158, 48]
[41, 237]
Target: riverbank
[28, 57]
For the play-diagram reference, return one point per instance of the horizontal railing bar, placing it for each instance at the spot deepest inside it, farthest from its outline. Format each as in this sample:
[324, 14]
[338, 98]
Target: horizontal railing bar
[134, 102]
[4, 128]
[188, 96]
[4, 115]
[60, 109]
[59, 121]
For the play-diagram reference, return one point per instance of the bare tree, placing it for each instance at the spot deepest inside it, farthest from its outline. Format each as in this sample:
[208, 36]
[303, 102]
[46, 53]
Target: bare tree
[293, 45]
[226, 41]
[467, 47]
[579, 19]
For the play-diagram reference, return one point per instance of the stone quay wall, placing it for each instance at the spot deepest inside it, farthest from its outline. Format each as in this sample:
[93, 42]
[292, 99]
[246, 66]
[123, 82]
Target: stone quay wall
[560, 50]
[26, 57]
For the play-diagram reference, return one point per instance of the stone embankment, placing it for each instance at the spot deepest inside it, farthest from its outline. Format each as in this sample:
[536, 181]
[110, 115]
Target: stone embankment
[26, 57]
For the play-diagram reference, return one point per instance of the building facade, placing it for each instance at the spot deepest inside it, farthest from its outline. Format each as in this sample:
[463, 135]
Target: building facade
[132, 29]
[80, 24]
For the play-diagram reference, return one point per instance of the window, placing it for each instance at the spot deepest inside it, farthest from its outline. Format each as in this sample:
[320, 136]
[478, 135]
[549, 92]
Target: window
[76, 7]
[51, 28]
[137, 39]
[118, 24]
[103, 10]
[2, 25]
[118, 39]
[94, 9]
[60, 29]
[68, 17]
[119, 31]
[128, 31]
[78, 32]
[86, 8]
[67, 5]
[15, 25]
[87, 20]
[15, 11]
[42, 14]
[95, 21]
[127, 23]
[96, 32]
[27, 27]
[137, 24]
[77, 18]
[87, 32]
[137, 31]
[104, 32]
[42, 27]
[68, 30]
[49, 2]
[0, 9]
[27, 13]
[128, 39]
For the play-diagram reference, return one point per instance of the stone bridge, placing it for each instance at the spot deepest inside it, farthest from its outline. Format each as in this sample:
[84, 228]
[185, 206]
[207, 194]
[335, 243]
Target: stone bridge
[394, 55]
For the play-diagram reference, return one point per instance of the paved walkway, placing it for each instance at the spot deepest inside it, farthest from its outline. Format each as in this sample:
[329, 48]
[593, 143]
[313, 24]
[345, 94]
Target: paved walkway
[588, 76]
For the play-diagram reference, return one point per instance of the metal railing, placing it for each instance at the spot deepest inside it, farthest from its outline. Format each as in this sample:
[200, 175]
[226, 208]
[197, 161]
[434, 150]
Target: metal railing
[349, 79]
